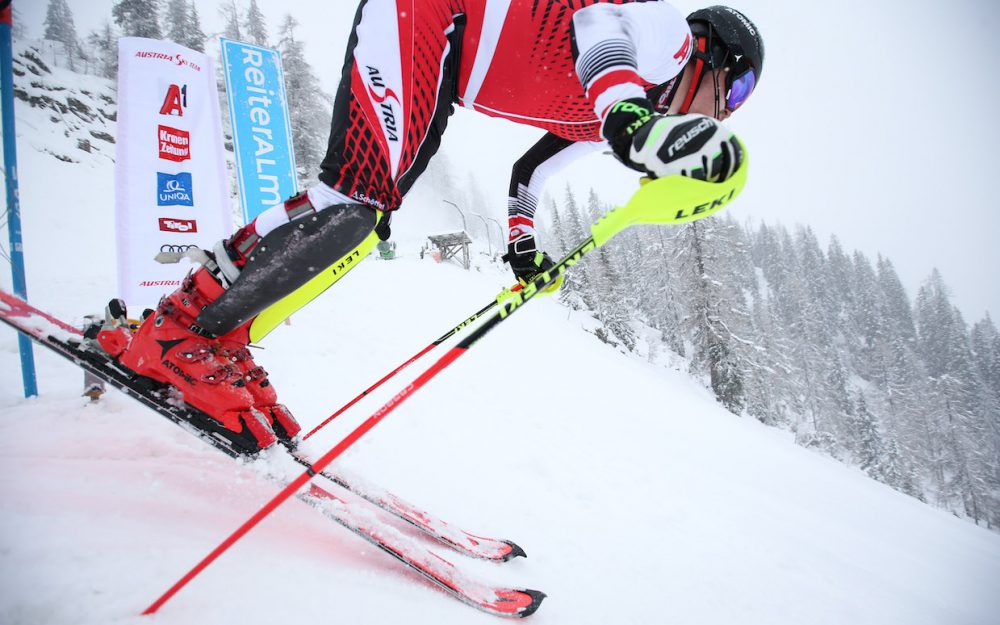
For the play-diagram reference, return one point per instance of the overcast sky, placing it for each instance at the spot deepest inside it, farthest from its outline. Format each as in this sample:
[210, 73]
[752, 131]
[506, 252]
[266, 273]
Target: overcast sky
[874, 121]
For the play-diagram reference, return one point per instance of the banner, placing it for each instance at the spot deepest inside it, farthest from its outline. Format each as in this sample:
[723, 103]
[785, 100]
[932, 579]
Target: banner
[170, 176]
[262, 135]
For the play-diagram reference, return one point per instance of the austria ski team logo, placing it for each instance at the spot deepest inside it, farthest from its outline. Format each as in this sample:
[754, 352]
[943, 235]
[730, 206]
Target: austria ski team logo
[386, 109]
[175, 100]
[175, 145]
[182, 226]
[174, 189]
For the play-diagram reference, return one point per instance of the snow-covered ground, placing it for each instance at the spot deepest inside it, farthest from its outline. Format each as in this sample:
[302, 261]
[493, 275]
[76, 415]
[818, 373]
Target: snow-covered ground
[637, 498]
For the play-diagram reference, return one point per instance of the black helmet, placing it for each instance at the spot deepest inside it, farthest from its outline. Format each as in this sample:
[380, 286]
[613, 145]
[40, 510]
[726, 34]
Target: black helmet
[723, 38]
[733, 39]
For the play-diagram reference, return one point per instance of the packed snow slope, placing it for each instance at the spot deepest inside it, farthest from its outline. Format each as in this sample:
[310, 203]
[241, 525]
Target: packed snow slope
[636, 496]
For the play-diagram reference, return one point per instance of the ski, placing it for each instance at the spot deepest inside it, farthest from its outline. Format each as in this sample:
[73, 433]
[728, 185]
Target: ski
[459, 540]
[162, 399]
[348, 509]
[496, 600]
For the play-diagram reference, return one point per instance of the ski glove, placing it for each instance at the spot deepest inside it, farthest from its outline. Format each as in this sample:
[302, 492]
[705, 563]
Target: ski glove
[527, 261]
[695, 146]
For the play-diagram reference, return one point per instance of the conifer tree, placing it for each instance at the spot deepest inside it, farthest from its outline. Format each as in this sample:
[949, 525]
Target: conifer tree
[578, 282]
[254, 25]
[138, 18]
[230, 13]
[870, 449]
[613, 301]
[177, 21]
[308, 107]
[718, 321]
[944, 345]
[195, 36]
[104, 46]
[59, 26]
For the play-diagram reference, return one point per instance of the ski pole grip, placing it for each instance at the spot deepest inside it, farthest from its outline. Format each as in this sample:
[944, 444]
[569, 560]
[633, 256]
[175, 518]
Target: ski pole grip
[671, 200]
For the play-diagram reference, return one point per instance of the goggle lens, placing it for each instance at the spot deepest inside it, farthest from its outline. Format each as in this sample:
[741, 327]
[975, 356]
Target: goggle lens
[740, 89]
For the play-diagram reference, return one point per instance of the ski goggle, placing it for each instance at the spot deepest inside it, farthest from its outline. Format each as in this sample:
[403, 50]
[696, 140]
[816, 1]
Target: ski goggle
[739, 87]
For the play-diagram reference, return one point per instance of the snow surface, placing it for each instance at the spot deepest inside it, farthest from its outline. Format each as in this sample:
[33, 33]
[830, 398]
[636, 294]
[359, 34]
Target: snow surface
[636, 496]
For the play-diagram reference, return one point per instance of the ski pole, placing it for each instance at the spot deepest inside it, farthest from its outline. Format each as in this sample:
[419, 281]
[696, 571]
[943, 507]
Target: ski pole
[696, 200]
[414, 358]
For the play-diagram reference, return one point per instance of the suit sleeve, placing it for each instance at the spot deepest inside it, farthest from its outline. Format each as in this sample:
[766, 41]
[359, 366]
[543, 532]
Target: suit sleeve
[620, 50]
[530, 174]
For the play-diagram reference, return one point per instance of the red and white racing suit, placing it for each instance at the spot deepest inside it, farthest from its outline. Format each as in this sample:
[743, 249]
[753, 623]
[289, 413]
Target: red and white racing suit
[558, 65]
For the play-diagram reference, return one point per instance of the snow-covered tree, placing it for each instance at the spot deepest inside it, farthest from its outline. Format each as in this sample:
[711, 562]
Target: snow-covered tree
[577, 290]
[103, 44]
[59, 24]
[177, 21]
[184, 25]
[230, 13]
[138, 18]
[308, 106]
[254, 25]
[196, 36]
[942, 340]
[612, 296]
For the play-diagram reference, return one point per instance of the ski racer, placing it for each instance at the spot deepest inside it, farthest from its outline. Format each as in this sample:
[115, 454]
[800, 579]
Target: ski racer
[632, 74]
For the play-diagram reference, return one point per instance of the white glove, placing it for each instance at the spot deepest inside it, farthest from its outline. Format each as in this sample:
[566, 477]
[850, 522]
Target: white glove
[695, 146]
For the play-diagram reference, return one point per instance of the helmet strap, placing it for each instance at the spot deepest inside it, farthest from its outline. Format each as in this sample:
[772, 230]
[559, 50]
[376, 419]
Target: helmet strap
[697, 73]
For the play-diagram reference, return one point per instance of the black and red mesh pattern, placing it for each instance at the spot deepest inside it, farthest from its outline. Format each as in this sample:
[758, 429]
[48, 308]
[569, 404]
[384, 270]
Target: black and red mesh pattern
[358, 161]
[533, 77]
[423, 55]
[365, 169]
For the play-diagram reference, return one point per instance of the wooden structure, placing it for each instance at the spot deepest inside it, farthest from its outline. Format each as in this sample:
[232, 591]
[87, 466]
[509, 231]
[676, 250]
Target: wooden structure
[449, 245]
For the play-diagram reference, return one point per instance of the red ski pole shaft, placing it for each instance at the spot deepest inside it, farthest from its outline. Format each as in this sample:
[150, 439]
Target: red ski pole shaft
[307, 475]
[412, 359]
[507, 306]
[641, 209]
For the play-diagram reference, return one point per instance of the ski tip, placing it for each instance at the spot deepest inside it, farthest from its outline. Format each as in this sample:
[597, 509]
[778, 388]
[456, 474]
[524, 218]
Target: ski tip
[515, 551]
[519, 603]
[536, 601]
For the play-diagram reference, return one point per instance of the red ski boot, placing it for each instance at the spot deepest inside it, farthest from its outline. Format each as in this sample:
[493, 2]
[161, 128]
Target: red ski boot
[233, 348]
[231, 255]
[168, 348]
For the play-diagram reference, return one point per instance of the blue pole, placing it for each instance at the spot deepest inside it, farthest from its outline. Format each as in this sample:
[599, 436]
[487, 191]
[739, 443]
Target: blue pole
[13, 202]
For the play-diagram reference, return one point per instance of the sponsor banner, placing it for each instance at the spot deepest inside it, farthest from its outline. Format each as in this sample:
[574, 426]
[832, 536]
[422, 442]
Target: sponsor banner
[262, 136]
[172, 189]
[172, 224]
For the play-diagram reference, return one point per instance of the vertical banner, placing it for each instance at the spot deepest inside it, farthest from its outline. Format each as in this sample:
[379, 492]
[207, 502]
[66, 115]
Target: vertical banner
[170, 176]
[262, 134]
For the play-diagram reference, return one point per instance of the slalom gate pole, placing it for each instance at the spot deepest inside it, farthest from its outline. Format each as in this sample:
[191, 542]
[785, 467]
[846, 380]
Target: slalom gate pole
[695, 200]
[28, 377]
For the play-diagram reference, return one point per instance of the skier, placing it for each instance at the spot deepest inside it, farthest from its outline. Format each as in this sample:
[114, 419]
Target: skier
[632, 74]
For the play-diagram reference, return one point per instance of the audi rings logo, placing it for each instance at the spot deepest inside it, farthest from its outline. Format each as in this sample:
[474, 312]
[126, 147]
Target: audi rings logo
[175, 249]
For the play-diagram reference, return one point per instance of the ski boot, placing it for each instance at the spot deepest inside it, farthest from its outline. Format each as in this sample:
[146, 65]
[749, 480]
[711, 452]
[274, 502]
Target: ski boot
[234, 349]
[169, 347]
[231, 256]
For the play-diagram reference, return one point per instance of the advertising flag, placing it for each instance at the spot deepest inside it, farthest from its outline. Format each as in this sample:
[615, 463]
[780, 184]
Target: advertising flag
[171, 187]
[262, 133]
